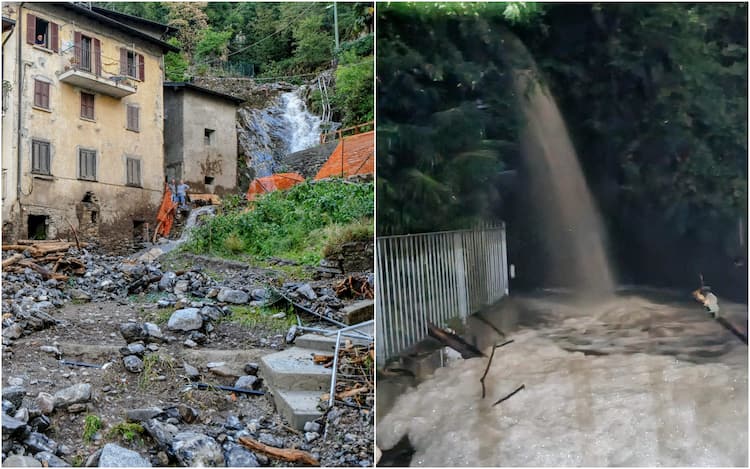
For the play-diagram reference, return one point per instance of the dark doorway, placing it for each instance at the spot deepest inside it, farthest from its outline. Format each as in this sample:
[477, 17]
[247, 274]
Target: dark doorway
[139, 231]
[37, 226]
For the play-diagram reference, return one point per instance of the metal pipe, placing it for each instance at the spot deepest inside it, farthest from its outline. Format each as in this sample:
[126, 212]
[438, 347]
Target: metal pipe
[331, 396]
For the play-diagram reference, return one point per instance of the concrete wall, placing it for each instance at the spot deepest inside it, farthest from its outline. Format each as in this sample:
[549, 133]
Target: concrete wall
[200, 111]
[61, 195]
[9, 120]
[173, 133]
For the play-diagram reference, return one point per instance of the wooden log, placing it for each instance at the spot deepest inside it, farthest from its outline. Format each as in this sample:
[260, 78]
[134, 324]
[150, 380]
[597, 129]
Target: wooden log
[12, 260]
[453, 341]
[18, 247]
[291, 455]
[40, 241]
[46, 274]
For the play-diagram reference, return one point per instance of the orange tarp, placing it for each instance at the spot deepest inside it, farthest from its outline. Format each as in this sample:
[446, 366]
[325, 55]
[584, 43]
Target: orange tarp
[165, 216]
[271, 183]
[353, 155]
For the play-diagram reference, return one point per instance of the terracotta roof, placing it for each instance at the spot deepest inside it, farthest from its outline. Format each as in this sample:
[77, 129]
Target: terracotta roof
[353, 155]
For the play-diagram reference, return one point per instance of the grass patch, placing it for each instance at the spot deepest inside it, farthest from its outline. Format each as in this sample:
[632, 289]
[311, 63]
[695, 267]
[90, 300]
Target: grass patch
[337, 235]
[91, 425]
[126, 431]
[153, 365]
[252, 316]
[290, 224]
[142, 298]
[159, 316]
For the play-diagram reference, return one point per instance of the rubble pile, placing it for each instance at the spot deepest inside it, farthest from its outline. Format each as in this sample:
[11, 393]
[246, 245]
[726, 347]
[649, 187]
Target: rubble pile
[25, 423]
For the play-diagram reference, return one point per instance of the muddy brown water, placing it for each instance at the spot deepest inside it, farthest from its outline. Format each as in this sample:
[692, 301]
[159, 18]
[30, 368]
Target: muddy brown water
[646, 369]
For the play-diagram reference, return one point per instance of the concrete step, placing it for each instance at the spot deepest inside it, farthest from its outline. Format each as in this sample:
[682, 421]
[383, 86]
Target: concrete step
[293, 368]
[325, 344]
[297, 407]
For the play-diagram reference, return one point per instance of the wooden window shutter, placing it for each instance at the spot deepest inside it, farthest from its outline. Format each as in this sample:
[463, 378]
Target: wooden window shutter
[141, 68]
[97, 56]
[54, 41]
[123, 61]
[30, 28]
[77, 45]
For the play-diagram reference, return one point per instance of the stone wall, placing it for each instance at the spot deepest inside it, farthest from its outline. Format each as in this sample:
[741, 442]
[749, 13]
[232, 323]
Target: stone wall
[355, 256]
[308, 162]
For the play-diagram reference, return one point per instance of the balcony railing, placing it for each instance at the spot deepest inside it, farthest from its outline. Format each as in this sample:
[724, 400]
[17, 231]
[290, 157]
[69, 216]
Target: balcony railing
[99, 74]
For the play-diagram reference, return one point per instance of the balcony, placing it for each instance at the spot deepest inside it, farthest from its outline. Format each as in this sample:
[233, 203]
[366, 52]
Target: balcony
[85, 71]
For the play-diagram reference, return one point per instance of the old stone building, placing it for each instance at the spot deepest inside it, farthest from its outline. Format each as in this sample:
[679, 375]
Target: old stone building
[200, 132]
[82, 123]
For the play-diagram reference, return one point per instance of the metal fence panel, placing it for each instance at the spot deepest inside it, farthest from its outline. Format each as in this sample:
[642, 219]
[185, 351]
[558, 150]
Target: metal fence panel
[435, 277]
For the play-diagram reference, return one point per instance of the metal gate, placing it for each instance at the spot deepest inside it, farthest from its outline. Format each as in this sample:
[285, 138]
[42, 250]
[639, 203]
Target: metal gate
[435, 277]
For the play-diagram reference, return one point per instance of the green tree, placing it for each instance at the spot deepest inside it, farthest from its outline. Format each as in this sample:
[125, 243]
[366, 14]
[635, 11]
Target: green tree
[355, 90]
[175, 64]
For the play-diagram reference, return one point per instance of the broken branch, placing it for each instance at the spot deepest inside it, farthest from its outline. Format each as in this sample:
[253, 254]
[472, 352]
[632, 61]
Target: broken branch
[489, 363]
[291, 455]
[509, 395]
[12, 260]
[453, 341]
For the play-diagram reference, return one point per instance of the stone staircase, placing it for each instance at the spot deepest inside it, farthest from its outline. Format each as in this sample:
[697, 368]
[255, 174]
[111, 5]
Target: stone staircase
[297, 383]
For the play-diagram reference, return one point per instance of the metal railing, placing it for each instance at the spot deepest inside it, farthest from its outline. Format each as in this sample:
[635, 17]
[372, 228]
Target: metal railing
[341, 133]
[435, 277]
[83, 59]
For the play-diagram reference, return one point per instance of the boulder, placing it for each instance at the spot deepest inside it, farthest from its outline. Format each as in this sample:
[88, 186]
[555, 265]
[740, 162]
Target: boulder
[239, 456]
[116, 456]
[72, 395]
[196, 449]
[227, 295]
[14, 394]
[187, 319]
[133, 332]
[21, 461]
[133, 364]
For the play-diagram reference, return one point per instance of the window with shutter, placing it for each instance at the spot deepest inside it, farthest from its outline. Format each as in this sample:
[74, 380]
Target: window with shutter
[133, 118]
[41, 94]
[87, 164]
[87, 106]
[40, 157]
[133, 171]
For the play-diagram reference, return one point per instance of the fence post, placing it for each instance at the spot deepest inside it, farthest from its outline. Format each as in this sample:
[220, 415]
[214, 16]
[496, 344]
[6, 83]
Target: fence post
[460, 272]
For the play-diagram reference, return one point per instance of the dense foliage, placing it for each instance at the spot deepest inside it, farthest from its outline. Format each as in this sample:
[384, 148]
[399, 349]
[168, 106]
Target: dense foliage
[447, 119]
[274, 38]
[295, 224]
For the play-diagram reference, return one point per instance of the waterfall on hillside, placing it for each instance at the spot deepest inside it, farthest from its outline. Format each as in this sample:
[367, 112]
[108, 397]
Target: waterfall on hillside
[284, 126]
[572, 226]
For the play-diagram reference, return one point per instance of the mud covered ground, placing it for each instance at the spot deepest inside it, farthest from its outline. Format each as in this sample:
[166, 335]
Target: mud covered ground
[89, 332]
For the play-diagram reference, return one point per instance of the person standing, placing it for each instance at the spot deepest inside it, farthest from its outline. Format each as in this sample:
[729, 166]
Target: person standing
[173, 190]
[182, 193]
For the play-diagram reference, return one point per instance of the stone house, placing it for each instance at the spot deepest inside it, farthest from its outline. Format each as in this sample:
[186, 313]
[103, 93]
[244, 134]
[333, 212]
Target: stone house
[200, 132]
[83, 141]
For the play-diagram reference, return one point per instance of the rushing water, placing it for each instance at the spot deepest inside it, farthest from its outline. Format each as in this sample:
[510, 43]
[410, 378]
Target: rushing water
[637, 380]
[571, 224]
[284, 126]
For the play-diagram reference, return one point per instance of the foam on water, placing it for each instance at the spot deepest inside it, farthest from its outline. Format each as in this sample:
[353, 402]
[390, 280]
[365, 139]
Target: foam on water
[631, 409]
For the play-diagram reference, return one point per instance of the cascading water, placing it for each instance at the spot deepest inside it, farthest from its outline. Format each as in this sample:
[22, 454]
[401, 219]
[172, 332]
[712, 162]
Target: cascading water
[572, 226]
[284, 126]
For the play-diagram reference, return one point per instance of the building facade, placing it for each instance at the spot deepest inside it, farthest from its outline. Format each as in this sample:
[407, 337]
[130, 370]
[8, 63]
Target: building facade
[85, 116]
[200, 132]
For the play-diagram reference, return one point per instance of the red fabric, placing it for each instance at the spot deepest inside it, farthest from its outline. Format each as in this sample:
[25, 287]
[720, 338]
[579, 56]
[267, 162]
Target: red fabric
[353, 155]
[165, 216]
[271, 183]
